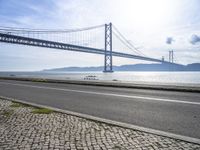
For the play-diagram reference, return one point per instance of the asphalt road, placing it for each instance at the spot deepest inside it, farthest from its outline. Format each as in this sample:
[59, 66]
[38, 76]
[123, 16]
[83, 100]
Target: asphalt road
[174, 112]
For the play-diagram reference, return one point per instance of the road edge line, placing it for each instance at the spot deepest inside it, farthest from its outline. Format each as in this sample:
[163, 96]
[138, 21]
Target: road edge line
[111, 122]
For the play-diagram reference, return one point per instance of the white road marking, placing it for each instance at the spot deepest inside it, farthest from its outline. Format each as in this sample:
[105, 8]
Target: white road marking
[106, 94]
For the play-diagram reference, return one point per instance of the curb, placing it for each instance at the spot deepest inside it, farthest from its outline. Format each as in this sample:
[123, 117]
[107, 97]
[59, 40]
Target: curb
[180, 88]
[111, 122]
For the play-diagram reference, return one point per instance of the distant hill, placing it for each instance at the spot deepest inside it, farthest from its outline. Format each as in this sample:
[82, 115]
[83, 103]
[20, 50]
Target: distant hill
[135, 67]
[193, 67]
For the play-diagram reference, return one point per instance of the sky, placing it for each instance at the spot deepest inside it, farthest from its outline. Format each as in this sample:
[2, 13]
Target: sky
[153, 26]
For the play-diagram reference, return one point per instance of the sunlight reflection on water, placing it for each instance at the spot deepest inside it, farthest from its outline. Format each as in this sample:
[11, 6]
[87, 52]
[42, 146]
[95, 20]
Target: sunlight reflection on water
[160, 77]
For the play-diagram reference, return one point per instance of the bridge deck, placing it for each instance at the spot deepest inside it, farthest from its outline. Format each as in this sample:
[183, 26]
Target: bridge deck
[14, 39]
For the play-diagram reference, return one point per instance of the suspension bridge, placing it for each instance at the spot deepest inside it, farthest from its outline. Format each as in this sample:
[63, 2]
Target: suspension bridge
[103, 39]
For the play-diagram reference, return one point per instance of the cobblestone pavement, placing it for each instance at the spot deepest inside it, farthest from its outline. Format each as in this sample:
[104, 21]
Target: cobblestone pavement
[22, 129]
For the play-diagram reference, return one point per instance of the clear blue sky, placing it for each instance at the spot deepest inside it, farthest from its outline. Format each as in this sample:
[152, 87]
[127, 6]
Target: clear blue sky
[155, 26]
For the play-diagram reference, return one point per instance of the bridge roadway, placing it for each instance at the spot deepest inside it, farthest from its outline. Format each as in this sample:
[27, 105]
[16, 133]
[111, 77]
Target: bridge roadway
[174, 112]
[14, 39]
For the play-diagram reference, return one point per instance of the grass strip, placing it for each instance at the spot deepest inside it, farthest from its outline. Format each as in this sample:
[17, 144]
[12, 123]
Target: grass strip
[42, 111]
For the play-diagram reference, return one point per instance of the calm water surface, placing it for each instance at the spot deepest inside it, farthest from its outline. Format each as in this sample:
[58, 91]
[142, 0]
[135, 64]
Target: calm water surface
[155, 77]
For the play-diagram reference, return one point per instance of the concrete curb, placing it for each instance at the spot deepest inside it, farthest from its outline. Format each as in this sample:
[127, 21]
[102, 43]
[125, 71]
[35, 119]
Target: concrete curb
[112, 84]
[111, 122]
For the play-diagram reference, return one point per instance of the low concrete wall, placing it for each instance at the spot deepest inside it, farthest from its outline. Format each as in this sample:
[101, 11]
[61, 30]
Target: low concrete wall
[188, 88]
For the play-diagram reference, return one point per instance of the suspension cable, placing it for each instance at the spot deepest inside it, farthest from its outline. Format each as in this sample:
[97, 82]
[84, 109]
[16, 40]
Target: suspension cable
[128, 46]
[131, 46]
[12, 29]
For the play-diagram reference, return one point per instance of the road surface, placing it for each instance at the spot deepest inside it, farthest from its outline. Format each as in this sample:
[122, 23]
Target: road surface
[174, 112]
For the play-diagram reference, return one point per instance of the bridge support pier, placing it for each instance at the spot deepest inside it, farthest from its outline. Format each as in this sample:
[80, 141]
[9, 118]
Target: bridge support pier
[108, 48]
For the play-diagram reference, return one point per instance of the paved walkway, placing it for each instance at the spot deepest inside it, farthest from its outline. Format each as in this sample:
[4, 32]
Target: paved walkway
[20, 128]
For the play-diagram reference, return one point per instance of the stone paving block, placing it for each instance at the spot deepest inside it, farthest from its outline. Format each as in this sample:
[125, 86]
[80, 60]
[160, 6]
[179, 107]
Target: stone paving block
[22, 129]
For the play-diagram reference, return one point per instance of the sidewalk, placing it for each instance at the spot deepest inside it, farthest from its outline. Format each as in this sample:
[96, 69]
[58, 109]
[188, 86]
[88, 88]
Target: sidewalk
[22, 127]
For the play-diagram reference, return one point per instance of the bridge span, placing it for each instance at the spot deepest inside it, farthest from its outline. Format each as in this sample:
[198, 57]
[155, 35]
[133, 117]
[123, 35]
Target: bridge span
[13, 36]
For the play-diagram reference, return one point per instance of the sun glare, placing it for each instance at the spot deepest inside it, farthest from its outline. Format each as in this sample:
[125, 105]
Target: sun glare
[147, 14]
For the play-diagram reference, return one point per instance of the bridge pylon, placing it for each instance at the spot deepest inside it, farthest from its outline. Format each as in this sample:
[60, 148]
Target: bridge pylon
[108, 48]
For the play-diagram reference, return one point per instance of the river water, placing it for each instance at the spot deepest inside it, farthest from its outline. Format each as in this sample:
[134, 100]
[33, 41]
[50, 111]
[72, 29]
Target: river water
[141, 77]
